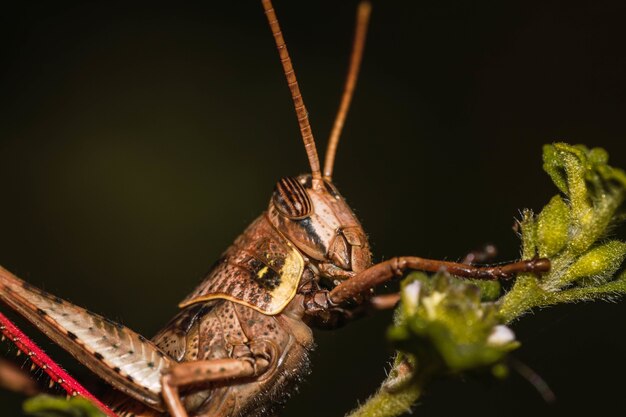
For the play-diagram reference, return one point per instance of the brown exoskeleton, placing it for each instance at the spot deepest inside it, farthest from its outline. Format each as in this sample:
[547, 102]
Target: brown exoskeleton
[242, 337]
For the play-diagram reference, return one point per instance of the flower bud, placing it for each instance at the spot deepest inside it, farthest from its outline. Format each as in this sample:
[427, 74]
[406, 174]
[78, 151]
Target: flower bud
[553, 227]
[598, 263]
[500, 335]
[410, 297]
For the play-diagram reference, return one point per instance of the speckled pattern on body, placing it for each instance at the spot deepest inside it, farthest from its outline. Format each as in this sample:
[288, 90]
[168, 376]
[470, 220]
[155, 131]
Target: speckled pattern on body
[220, 329]
[261, 269]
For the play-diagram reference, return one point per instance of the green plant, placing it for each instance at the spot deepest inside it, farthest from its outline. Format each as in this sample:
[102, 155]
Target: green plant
[47, 406]
[446, 326]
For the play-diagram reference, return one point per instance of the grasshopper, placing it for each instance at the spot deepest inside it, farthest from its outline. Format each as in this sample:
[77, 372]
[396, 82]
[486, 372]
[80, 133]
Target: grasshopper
[242, 338]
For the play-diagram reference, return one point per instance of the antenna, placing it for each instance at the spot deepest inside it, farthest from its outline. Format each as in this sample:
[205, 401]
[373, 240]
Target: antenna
[362, 19]
[292, 82]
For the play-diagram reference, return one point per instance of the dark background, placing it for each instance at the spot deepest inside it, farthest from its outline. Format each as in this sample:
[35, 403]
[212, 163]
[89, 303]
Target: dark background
[137, 141]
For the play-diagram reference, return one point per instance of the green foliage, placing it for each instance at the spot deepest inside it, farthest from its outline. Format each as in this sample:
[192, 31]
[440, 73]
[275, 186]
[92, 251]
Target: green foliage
[553, 224]
[572, 232]
[444, 322]
[47, 406]
[445, 326]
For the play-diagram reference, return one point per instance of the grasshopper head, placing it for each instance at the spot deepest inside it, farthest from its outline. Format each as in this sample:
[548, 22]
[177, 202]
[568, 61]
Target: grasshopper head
[319, 222]
[308, 209]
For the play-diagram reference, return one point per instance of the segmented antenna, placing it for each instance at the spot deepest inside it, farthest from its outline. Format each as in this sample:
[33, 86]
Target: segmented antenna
[360, 33]
[292, 82]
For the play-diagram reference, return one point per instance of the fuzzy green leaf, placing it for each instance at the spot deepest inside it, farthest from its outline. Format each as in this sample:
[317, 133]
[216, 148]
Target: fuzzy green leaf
[48, 406]
[598, 263]
[553, 225]
[569, 232]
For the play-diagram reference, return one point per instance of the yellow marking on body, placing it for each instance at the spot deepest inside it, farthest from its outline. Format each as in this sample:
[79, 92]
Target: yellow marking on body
[262, 272]
[290, 275]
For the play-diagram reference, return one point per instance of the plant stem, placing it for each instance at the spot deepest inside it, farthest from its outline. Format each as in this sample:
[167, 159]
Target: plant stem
[385, 403]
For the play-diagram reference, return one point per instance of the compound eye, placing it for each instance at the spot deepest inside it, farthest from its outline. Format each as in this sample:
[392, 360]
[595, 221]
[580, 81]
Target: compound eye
[291, 199]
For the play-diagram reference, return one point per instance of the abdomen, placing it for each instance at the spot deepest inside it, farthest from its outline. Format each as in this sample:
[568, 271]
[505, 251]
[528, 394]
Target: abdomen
[222, 329]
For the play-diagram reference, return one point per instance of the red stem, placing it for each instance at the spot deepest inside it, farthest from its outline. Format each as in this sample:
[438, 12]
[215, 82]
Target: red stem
[42, 360]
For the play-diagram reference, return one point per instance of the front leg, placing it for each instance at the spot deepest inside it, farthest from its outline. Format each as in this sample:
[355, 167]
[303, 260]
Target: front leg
[389, 301]
[353, 288]
[188, 373]
[256, 361]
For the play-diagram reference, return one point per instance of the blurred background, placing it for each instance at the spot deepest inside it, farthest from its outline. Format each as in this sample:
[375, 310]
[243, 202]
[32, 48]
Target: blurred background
[138, 140]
